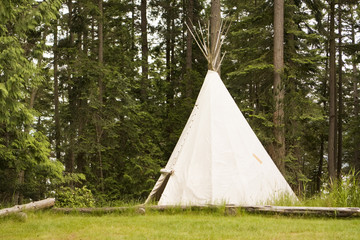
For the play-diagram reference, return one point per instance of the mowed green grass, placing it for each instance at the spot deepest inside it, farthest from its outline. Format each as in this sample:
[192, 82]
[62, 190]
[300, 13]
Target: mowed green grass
[47, 225]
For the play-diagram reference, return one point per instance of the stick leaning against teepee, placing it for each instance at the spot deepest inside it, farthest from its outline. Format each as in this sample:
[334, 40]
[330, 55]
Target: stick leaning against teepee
[218, 158]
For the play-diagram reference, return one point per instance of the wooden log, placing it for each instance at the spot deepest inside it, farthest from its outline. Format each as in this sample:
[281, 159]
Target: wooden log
[184, 207]
[46, 203]
[140, 209]
[329, 211]
[315, 211]
[229, 209]
[233, 209]
[93, 210]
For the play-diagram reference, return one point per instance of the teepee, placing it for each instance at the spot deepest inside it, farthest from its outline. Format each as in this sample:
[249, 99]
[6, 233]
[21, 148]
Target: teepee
[218, 158]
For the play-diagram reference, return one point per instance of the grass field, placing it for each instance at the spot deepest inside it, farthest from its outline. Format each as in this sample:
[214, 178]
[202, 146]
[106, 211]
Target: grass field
[47, 225]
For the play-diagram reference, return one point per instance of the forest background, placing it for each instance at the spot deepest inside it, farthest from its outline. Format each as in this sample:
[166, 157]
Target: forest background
[96, 93]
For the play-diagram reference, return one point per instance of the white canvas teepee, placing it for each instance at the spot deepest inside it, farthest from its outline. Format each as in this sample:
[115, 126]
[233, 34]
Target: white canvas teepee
[218, 158]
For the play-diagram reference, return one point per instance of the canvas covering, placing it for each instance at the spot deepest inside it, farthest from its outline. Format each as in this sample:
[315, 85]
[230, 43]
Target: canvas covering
[218, 158]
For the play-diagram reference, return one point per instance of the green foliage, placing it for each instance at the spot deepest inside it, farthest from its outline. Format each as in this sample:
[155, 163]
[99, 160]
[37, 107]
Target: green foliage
[23, 150]
[249, 76]
[344, 192]
[284, 200]
[122, 139]
[74, 198]
[70, 179]
[341, 193]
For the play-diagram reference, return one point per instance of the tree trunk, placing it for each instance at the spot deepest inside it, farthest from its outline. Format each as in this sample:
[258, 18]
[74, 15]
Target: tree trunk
[340, 95]
[189, 39]
[356, 145]
[215, 22]
[133, 7]
[99, 129]
[81, 153]
[101, 50]
[169, 92]
[189, 43]
[332, 98]
[18, 196]
[70, 158]
[85, 35]
[320, 167]
[56, 96]
[174, 82]
[322, 136]
[144, 51]
[279, 92]
[92, 33]
[99, 132]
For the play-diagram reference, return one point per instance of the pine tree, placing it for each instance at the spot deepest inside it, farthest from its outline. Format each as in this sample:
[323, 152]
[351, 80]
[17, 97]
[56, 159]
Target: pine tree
[24, 150]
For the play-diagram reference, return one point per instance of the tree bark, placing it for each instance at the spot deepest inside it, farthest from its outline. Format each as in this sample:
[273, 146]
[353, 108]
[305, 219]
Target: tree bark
[189, 39]
[215, 22]
[18, 196]
[99, 130]
[320, 167]
[229, 209]
[144, 51]
[332, 98]
[56, 96]
[170, 91]
[49, 202]
[174, 82]
[340, 96]
[322, 136]
[279, 92]
[101, 50]
[317, 211]
[133, 7]
[189, 43]
[92, 33]
[356, 144]
[70, 157]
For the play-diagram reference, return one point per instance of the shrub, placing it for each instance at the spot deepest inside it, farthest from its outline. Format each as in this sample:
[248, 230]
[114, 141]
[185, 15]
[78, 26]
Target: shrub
[77, 197]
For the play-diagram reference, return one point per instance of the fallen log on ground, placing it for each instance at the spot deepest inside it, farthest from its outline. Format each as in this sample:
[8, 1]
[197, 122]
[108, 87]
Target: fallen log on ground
[93, 210]
[46, 203]
[328, 211]
[229, 209]
[314, 211]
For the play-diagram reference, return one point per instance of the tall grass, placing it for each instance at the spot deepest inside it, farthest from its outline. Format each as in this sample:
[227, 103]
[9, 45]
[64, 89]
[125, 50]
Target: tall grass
[344, 192]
